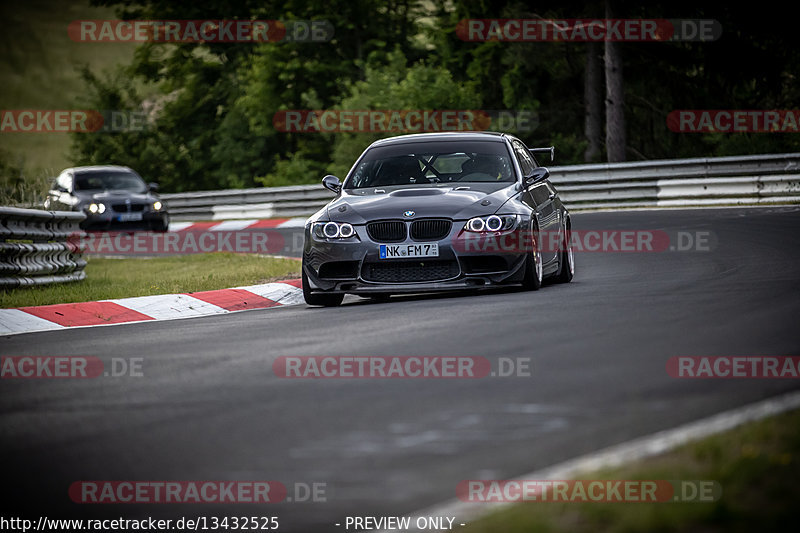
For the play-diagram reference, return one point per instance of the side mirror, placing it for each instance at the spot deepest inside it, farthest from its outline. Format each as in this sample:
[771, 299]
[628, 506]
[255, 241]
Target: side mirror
[152, 187]
[538, 174]
[332, 182]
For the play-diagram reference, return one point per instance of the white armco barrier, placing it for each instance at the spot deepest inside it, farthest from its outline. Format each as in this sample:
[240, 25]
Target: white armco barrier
[36, 247]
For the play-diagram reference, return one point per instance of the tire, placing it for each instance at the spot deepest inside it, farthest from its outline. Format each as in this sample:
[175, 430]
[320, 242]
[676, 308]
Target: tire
[566, 263]
[533, 266]
[325, 300]
[162, 226]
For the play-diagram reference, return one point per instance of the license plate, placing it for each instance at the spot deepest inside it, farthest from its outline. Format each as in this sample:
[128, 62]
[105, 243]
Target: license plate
[400, 251]
[129, 217]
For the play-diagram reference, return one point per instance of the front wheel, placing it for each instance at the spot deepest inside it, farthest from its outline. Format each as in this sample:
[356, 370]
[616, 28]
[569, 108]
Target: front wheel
[533, 265]
[567, 259]
[162, 226]
[325, 300]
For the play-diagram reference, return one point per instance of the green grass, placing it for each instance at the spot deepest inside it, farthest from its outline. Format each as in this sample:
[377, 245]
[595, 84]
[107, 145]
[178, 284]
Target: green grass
[757, 466]
[121, 278]
[39, 66]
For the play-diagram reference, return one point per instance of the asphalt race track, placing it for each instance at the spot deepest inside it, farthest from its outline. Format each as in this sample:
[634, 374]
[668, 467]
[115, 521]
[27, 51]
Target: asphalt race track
[209, 406]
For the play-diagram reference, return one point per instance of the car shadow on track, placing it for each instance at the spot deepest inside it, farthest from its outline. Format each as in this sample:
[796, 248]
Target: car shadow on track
[547, 285]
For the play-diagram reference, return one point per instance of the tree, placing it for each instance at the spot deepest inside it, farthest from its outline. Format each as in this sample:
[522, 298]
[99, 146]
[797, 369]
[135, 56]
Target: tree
[593, 103]
[396, 87]
[615, 98]
[211, 105]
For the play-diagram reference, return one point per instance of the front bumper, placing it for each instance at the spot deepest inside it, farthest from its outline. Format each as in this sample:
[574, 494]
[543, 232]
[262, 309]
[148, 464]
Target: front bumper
[354, 266]
[110, 221]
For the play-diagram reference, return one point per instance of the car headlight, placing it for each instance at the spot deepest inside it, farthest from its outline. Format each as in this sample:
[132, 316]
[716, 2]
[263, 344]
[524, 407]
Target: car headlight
[97, 208]
[491, 223]
[333, 230]
[157, 206]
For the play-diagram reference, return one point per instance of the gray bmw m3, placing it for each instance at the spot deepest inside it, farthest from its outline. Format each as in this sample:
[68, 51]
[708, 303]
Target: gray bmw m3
[437, 212]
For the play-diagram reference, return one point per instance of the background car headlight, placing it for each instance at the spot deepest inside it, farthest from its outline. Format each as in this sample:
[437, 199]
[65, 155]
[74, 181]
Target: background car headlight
[492, 223]
[157, 206]
[333, 230]
[97, 208]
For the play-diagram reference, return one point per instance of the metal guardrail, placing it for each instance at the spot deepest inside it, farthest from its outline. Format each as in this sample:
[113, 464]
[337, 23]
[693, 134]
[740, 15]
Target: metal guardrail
[738, 180]
[742, 180]
[264, 202]
[36, 249]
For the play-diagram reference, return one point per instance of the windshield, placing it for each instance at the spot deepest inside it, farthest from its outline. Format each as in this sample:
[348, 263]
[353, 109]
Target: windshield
[109, 181]
[433, 162]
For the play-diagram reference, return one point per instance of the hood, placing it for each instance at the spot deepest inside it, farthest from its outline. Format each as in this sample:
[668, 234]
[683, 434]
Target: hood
[459, 202]
[115, 196]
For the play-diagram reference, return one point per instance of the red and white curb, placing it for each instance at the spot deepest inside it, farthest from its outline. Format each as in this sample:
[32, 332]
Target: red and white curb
[146, 308]
[237, 225]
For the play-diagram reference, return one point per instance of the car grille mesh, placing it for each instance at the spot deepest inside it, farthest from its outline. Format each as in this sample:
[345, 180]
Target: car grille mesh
[430, 230]
[124, 208]
[387, 231]
[421, 230]
[410, 271]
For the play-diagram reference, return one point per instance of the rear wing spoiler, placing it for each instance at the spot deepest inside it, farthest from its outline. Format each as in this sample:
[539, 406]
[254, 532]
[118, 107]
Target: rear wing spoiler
[551, 150]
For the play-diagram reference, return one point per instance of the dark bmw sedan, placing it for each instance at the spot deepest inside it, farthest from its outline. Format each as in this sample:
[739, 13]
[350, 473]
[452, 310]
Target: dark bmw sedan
[437, 212]
[113, 198]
